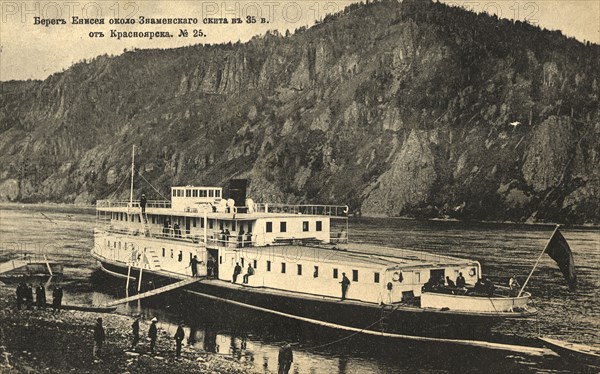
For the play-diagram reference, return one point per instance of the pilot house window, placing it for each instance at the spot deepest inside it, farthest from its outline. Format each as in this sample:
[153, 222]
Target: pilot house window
[282, 226]
[305, 226]
[269, 227]
[319, 226]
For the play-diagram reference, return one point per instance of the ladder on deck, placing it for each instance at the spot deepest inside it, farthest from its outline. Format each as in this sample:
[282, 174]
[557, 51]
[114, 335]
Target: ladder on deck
[144, 221]
[154, 260]
[157, 291]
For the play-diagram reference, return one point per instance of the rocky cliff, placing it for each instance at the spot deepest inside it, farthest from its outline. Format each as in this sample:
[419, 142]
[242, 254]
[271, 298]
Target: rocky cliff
[397, 109]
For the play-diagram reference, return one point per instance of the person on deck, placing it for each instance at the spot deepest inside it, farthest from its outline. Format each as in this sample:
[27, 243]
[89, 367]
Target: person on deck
[249, 273]
[210, 265]
[345, 283]
[194, 265]
[513, 283]
[285, 359]
[143, 204]
[460, 281]
[451, 284]
[135, 330]
[236, 271]
[179, 335]
[177, 230]
[99, 337]
[153, 334]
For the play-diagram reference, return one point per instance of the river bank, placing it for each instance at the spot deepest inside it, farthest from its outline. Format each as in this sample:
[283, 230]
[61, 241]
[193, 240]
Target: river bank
[43, 341]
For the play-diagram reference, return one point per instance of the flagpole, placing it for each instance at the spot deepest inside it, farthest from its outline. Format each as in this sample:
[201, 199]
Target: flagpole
[538, 260]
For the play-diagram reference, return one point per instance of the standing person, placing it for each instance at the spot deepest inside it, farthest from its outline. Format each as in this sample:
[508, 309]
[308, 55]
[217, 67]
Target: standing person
[451, 284]
[99, 336]
[249, 273]
[29, 296]
[153, 334]
[143, 204]
[135, 330]
[20, 295]
[285, 359]
[55, 298]
[236, 271]
[345, 283]
[210, 264]
[179, 335]
[40, 296]
[194, 265]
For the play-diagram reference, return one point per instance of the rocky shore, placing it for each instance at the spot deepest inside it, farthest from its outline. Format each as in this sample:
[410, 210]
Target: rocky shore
[33, 341]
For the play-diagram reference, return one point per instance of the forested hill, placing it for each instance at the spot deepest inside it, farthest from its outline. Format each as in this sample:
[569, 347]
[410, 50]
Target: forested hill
[398, 109]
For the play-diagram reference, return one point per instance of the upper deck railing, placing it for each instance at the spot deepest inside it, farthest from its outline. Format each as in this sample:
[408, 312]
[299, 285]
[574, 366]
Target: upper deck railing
[133, 204]
[317, 210]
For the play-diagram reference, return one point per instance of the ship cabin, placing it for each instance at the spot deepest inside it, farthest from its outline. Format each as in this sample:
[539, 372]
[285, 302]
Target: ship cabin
[292, 248]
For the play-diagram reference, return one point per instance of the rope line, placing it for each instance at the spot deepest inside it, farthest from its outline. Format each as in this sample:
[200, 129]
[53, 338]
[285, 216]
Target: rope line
[150, 184]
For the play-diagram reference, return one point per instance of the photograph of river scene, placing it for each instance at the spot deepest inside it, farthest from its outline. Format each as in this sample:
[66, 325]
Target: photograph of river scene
[65, 234]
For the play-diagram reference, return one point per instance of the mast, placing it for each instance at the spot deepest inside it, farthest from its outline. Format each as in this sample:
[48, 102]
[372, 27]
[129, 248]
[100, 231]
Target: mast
[132, 173]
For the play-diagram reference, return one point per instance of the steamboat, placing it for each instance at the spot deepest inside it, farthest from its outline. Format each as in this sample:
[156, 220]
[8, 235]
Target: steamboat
[296, 259]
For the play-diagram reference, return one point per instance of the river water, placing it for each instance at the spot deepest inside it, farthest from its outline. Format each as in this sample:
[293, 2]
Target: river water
[65, 234]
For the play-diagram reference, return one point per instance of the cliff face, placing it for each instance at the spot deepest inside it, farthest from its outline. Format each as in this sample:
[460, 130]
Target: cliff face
[412, 108]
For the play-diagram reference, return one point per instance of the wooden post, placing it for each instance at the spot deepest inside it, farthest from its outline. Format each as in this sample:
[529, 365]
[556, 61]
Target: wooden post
[128, 277]
[538, 260]
[48, 265]
[140, 280]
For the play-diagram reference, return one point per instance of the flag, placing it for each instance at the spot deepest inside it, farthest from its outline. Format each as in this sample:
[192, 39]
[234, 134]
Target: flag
[558, 249]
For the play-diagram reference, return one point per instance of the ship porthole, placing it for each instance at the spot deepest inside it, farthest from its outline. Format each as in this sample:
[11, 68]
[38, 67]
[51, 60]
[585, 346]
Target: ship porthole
[472, 272]
[390, 286]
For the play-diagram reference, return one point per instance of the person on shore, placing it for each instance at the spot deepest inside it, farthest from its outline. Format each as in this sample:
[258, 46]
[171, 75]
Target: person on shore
[236, 271]
[135, 331]
[345, 284]
[29, 296]
[153, 334]
[99, 336]
[249, 273]
[143, 202]
[460, 281]
[194, 265]
[57, 295]
[285, 358]
[179, 335]
[40, 296]
[21, 290]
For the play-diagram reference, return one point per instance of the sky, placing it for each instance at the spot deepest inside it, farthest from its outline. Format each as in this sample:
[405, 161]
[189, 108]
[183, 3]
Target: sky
[35, 51]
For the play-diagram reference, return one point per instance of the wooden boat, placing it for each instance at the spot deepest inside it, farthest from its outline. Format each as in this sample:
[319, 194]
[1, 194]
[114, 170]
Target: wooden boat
[580, 353]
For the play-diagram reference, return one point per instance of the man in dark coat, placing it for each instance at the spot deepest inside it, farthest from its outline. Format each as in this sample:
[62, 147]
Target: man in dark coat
[40, 296]
[135, 329]
[194, 265]
[153, 334]
[345, 283]
[21, 290]
[179, 335]
[460, 281]
[57, 295]
[236, 271]
[285, 359]
[143, 204]
[451, 283]
[99, 336]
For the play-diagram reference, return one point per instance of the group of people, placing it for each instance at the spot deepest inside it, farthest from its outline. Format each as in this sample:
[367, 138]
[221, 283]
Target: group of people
[24, 294]
[482, 286]
[237, 270]
[168, 229]
[100, 336]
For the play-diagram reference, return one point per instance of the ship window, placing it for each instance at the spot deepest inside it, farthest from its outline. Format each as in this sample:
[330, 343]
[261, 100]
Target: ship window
[194, 193]
[171, 253]
[305, 226]
[268, 265]
[417, 277]
[242, 259]
[211, 223]
[376, 277]
[201, 223]
[249, 227]
[335, 273]
[180, 256]
[220, 259]
[316, 272]
[269, 227]
[283, 267]
[299, 269]
[254, 264]
[164, 251]
[174, 193]
[218, 193]
[319, 226]
[211, 193]
[282, 226]
[115, 245]
[354, 275]
[193, 222]
[221, 225]
[233, 226]
[119, 245]
[153, 219]
[188, 193]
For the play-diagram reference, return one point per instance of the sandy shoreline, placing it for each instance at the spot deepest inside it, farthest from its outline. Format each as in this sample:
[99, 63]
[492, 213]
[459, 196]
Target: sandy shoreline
[33, 341]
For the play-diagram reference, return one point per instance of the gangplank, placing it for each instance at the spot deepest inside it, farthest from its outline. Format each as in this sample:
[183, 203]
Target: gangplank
[154, 292]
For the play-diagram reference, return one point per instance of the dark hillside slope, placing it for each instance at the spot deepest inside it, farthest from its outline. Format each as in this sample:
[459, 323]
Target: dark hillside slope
[394, 108]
